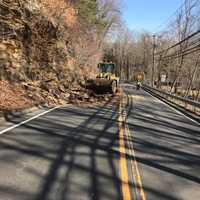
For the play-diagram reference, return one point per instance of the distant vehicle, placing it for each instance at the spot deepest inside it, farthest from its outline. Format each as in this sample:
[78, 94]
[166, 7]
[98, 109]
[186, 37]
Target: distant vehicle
[139, 76]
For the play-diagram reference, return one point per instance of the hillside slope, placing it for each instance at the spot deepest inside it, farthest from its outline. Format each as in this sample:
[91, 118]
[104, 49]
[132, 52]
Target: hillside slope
[47, 48]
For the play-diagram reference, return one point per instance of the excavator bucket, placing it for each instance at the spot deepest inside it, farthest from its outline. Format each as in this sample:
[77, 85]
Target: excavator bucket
[99, 85]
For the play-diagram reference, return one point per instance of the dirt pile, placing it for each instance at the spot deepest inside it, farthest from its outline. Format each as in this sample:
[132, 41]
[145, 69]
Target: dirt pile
[14, 97]
[85, 96]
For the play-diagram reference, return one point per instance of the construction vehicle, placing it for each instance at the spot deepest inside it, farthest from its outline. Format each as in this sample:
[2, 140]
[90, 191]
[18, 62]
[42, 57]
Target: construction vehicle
[139, 76]
[106, 80]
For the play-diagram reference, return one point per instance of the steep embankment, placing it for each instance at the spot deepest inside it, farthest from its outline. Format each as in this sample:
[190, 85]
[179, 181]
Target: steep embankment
[46, 50]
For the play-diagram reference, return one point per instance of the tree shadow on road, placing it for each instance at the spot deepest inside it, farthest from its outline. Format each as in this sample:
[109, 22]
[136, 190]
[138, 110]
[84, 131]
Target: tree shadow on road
[77, 154]
[166, 144]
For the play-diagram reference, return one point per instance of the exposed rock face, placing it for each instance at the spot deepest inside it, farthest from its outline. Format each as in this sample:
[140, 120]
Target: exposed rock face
[43, 48]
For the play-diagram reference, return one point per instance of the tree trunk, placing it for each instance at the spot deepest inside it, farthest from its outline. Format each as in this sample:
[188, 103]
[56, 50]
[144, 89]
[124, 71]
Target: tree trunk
[192, 78]
[174, 84]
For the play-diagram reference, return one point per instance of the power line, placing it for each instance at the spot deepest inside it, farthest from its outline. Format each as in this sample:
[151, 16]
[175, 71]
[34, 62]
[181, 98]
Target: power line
[179, 43]
[180, 53]
[183, 54]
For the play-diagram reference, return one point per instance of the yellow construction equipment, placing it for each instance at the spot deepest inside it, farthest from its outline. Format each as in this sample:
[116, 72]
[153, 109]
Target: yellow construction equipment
[106, 80]
[139, 76]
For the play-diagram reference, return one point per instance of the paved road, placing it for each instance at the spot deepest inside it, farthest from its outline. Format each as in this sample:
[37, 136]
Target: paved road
[90, 153]
[167, 147]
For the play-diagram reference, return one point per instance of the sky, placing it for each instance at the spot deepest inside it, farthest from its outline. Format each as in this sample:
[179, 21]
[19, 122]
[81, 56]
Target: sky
[148, 15]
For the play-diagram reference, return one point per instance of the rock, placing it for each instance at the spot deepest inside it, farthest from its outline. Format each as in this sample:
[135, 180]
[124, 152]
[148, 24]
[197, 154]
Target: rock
[44, 86]
[61, 88]
[3, 55]
[66, 95]
[86, 96]
[106, 98]
[3, 47]
[91, 100]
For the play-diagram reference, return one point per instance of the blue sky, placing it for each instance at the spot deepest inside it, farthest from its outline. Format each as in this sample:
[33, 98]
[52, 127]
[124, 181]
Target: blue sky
[148, 14]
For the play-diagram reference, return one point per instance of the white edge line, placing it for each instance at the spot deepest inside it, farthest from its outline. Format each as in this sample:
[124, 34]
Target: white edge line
[177, 111]
[28, 120]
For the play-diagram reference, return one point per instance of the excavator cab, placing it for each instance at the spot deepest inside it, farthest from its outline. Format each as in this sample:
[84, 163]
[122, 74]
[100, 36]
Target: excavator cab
[106, 68]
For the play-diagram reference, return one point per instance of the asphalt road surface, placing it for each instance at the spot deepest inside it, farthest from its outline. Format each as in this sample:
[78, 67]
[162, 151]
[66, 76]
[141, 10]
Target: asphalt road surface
[138, 149]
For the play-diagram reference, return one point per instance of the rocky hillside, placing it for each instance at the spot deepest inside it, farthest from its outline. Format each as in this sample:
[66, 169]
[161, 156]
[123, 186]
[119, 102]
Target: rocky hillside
[49, 47]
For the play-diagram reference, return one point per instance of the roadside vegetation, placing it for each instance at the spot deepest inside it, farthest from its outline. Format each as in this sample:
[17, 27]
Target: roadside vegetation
[169, 58]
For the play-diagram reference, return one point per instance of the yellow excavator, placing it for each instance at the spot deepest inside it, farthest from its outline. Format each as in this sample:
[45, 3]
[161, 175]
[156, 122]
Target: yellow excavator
[139, 76]
[106, 80]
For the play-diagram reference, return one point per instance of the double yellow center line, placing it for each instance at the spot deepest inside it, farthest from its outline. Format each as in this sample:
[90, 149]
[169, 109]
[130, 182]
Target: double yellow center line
[123, 164]
[124, 134]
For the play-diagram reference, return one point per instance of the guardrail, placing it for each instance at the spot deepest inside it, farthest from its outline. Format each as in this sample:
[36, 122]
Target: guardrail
[188, 104]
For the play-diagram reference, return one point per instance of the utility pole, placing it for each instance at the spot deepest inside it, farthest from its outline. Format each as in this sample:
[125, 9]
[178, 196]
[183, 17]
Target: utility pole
[153, 63]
